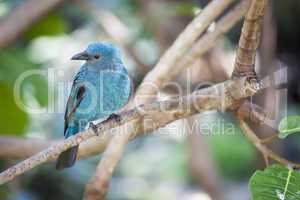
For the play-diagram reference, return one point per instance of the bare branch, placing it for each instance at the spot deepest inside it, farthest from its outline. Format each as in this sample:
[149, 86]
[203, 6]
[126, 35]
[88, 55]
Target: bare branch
[22, 17]
[249, 40]
[21, 148]
[221, 96]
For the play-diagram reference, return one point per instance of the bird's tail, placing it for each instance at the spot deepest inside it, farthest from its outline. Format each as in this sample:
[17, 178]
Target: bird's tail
[67, 158]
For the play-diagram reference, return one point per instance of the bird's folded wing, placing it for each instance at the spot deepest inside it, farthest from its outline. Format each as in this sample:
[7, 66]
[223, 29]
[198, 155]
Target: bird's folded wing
[76, 96]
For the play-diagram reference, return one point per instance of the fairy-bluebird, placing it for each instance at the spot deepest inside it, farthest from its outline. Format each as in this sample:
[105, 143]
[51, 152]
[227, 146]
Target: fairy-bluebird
[100, 88]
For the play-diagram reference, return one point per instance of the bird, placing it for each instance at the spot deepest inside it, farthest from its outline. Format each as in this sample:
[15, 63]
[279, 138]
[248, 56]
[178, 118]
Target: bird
[101, 87]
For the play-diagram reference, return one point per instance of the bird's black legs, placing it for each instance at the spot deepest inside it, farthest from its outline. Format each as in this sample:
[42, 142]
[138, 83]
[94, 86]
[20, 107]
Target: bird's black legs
[94, 128]
[115, 117]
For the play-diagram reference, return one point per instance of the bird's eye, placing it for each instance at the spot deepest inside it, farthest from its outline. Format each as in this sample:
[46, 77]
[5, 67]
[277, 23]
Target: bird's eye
[96, 56]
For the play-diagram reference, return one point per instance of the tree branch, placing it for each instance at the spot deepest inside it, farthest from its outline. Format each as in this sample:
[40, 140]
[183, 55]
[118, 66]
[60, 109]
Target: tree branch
[21, 148]
[254, 113]
[22, 17]
[249, 40]
[221, 96]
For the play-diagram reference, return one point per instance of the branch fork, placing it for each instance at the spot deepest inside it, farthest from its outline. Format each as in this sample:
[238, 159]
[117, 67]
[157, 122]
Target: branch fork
[244, 84]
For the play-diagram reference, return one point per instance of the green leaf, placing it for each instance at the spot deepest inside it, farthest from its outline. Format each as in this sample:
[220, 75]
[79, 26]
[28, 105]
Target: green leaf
[289, 125]
[275, 183]
[13, 120]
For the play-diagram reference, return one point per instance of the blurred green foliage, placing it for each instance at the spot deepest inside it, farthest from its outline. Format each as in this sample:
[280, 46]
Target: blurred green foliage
[14, 62]
[234, 154]
[176, 167]
[13, 119]
[185, 9]
[52, 24]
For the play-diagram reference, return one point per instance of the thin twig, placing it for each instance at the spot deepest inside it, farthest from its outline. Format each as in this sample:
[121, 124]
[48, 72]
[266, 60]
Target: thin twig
[269, 139]
[267, 153]
[254, 113]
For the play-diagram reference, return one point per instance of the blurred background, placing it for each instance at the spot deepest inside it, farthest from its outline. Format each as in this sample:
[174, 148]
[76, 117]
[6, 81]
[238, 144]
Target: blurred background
[177, 162]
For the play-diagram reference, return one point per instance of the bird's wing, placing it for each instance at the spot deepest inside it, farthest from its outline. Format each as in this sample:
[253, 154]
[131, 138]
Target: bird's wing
[76, 96]
[131, 92]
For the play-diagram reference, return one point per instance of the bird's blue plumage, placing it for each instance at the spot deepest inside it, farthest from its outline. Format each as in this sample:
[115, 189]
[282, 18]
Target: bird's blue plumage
[100, 88]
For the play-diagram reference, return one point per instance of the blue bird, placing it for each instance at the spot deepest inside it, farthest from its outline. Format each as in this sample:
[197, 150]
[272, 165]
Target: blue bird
[100, 88]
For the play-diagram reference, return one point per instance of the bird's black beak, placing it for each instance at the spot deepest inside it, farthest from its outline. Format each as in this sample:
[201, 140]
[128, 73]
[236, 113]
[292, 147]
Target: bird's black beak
[81, 56]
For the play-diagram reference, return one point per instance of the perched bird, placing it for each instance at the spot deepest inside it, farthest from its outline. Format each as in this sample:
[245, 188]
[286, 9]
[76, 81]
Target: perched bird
[100, 88]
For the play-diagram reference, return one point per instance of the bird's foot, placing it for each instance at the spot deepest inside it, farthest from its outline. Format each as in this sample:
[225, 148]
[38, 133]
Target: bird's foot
[94, 128]
[115, 117]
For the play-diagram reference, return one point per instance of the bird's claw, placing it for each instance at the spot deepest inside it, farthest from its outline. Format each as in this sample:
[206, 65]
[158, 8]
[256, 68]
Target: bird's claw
[115, 117]
[94, 128]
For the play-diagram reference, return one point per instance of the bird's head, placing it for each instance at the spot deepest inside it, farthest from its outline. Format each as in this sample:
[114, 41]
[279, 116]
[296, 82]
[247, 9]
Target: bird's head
[98, 52]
